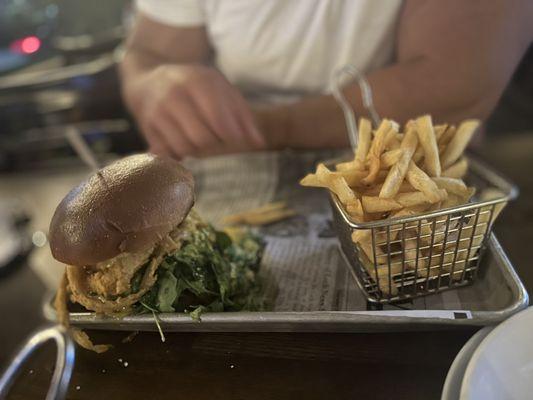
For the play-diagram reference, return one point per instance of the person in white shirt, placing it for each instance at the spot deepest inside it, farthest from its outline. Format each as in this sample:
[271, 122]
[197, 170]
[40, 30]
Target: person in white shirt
[205, 77]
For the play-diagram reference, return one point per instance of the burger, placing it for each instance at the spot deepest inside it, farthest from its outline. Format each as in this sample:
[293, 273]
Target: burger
[132, 243]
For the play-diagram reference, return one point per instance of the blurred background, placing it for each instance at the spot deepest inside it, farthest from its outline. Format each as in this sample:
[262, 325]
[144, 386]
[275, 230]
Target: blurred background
[58, 67]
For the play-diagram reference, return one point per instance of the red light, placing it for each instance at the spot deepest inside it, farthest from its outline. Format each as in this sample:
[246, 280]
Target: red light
[27, 45]
[30, 44]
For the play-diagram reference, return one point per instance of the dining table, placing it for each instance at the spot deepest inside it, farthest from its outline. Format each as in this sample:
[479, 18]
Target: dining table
[265, 365]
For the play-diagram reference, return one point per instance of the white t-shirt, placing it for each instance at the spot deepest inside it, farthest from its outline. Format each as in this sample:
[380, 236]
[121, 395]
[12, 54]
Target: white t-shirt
[280, 50]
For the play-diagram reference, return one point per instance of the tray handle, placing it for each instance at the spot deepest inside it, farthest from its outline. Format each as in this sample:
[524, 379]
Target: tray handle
[366, 94]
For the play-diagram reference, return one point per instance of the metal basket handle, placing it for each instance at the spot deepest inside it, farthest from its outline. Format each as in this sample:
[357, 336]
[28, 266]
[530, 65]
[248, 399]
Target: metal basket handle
[366, 94]
[64, 362]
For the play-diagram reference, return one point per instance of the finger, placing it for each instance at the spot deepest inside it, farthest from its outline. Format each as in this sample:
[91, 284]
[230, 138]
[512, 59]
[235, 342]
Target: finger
[218, 116]
[161, 146]
[246, 120]
[216, 151]
[156, 144]
[175, 138]
[184, 113]
[161, 149]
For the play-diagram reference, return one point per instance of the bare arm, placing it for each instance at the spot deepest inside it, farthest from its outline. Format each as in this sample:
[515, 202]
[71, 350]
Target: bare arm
[454, 59]
[182, 106]
[151, 44]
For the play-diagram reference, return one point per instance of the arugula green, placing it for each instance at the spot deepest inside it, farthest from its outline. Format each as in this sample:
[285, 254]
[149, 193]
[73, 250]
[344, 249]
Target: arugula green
[209, 273]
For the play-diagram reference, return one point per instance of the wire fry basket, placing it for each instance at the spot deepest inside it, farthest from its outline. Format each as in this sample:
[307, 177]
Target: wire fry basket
[414, 256]
[402, 258]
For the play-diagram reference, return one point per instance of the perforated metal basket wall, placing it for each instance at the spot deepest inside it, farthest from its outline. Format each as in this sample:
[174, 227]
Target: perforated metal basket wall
[402, 258]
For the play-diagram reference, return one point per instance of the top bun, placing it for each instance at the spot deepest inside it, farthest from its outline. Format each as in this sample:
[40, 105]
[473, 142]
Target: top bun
[125, 207]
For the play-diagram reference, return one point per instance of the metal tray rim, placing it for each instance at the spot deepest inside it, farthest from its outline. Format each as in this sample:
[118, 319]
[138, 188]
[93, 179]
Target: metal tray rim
[325, 321]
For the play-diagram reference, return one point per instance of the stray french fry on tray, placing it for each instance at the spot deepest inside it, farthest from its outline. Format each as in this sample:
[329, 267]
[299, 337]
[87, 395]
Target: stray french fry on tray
[267, 214]
[397, 174]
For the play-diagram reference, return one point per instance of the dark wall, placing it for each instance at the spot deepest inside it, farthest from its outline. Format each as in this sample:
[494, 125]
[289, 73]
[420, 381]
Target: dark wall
[515, 110]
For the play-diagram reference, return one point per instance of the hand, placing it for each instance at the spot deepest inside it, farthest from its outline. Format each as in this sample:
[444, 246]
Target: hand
[192, 110]
[273, 123]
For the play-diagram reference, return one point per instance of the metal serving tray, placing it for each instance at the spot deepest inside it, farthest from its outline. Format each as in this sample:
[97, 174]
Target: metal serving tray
[497, 294]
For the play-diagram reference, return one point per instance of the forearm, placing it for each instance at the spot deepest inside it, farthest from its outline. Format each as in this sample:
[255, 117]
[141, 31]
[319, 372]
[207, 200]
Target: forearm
[400, 92]
[132, 70]
[450, 73]
[151, 45]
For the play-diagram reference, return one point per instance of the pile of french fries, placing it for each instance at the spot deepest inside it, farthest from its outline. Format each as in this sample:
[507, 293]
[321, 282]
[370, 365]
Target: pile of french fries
[397, 174]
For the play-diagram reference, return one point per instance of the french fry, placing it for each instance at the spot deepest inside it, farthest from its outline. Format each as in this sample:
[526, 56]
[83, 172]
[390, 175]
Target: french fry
[469, 194]
[420, 181]
[376, 189]
[371, 190]
[451, 201]
[355, 209]
[263, 215]
[323, 172]
[409, 211]
[459, 142]
[335, 181]
[361, 234]
[411, 199]
[318, 178]
[473, 230]
[323, 176]
[457, 170]
[427, 139]
[447, 135]
[439, 130]
[311, 180]
[425, 231]
[477, 231]
[380, 178]
[346, 166]
[386, 285]
[398, 171]
[366, 245]
[353, 177]
[419, 154]
[435, 263]
[487, 215]
[452, 185]
[394, 142]
[267, 217]
[339, 186]
[390, 158]
[276, 205]
[384, 133]
[377, 204]
[411, 243]
[363, 144]
[445, 139]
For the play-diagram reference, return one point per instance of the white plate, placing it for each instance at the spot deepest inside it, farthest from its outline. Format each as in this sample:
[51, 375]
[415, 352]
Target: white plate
[501, 367]
[454, 379]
